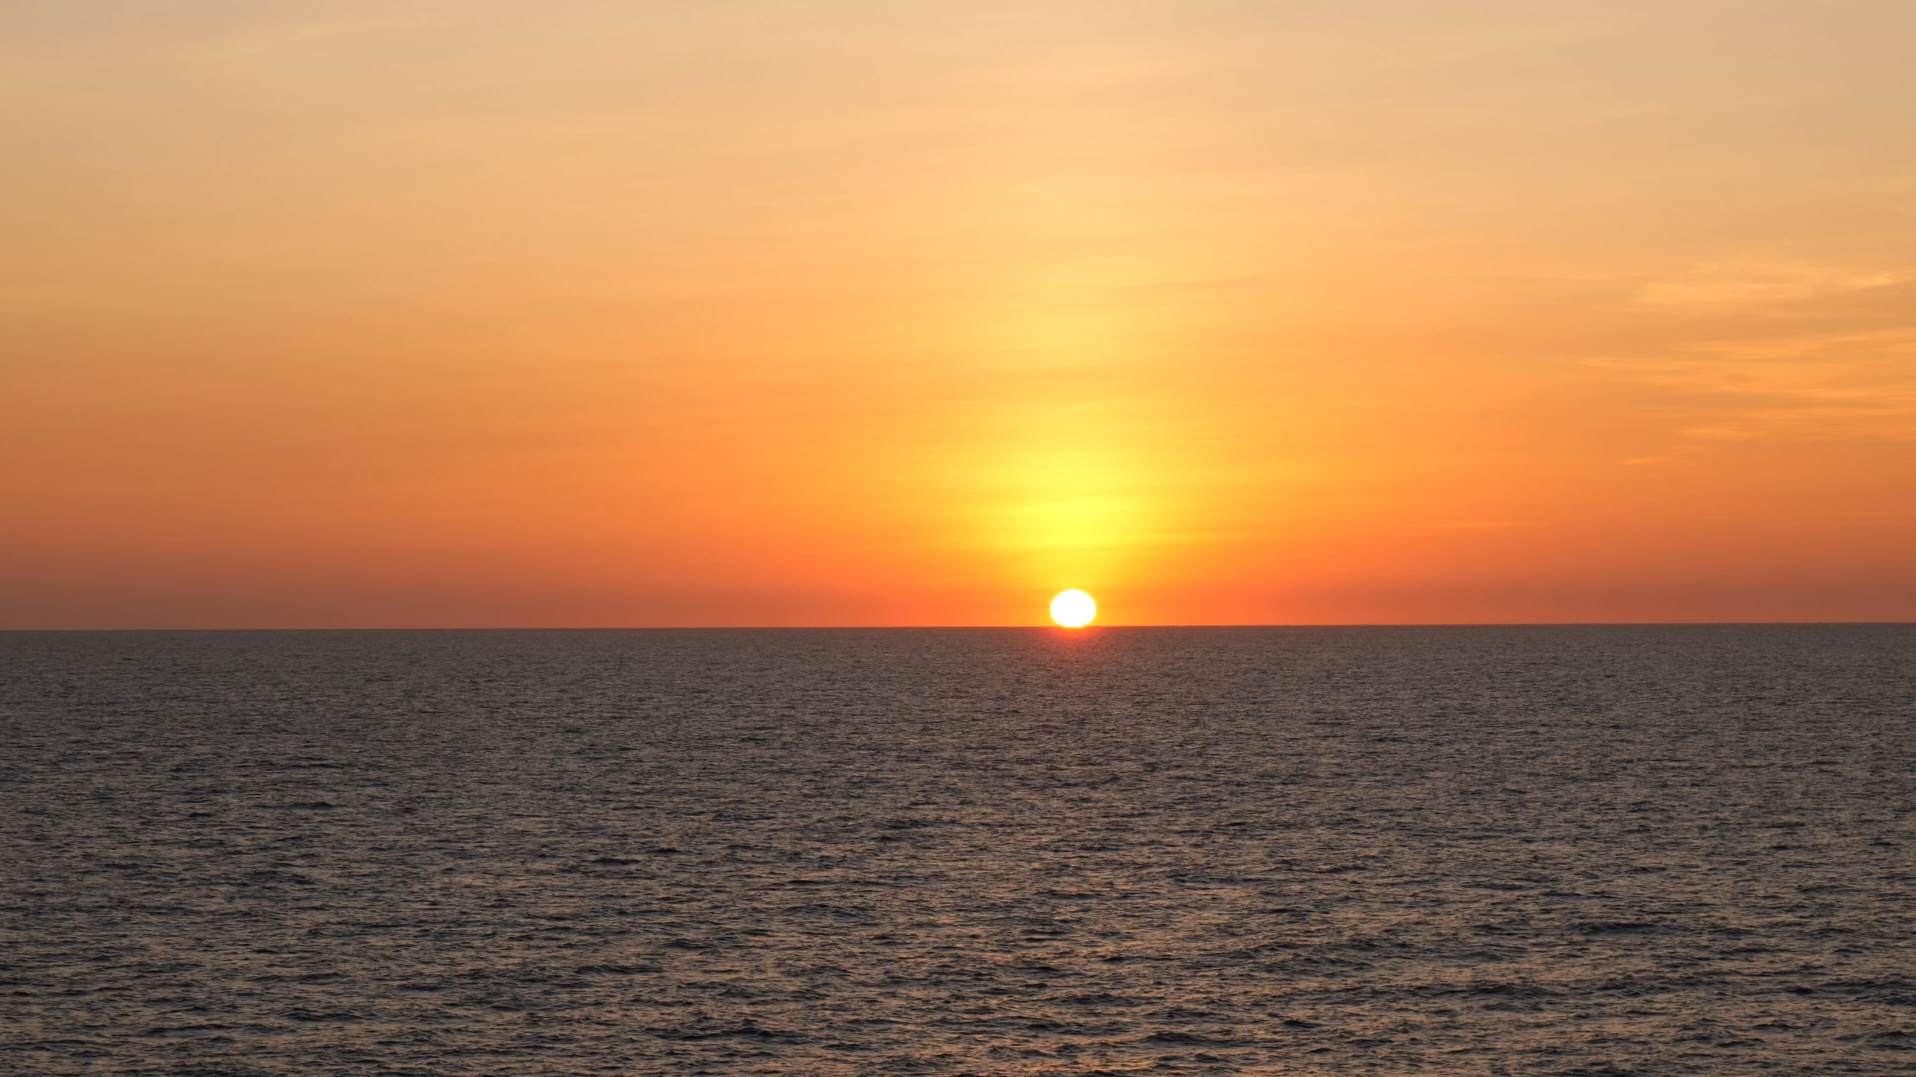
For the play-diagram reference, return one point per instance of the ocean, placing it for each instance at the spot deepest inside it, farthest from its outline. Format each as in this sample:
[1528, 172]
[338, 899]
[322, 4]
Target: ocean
[1528, 850]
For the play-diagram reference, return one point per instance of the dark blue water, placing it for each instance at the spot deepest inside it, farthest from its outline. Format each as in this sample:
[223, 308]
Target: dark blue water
[1431, 851]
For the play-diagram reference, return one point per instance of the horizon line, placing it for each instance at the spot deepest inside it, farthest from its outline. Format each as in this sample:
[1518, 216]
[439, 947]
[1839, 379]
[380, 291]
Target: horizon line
[962, 627]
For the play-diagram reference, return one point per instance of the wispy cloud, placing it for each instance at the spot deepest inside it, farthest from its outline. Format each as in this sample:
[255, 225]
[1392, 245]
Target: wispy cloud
[1820, 385]
[1742, 283]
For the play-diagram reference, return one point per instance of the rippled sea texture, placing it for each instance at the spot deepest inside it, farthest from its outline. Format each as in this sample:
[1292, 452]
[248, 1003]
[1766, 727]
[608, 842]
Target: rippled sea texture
[1432, 851]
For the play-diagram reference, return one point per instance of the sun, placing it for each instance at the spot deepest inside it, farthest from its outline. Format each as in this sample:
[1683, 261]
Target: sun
[1073, 609]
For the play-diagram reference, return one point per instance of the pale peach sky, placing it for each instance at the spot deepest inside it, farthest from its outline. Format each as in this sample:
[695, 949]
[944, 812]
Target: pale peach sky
[567, 313]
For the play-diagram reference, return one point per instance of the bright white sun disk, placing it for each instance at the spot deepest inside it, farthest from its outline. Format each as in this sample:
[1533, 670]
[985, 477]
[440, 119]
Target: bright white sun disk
[1073, 609]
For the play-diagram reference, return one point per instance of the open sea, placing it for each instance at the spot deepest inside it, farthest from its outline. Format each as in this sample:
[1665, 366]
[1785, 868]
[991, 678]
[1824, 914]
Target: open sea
[1571, 850]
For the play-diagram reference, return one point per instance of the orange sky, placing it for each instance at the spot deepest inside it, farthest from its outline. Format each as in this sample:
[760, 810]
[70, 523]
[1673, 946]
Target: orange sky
[421, 313]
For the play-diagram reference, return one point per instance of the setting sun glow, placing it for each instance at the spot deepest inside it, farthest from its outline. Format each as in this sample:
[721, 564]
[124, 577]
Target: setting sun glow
[1073, 609]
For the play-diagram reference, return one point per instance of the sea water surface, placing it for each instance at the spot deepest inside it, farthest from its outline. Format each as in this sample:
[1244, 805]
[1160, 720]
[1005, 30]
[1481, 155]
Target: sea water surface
[1604, 850]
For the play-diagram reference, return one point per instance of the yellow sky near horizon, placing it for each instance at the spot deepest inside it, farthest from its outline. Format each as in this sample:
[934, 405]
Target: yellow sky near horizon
[501, 313]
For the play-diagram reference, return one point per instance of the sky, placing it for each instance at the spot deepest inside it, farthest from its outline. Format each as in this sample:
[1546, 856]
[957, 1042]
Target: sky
[421, 313]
